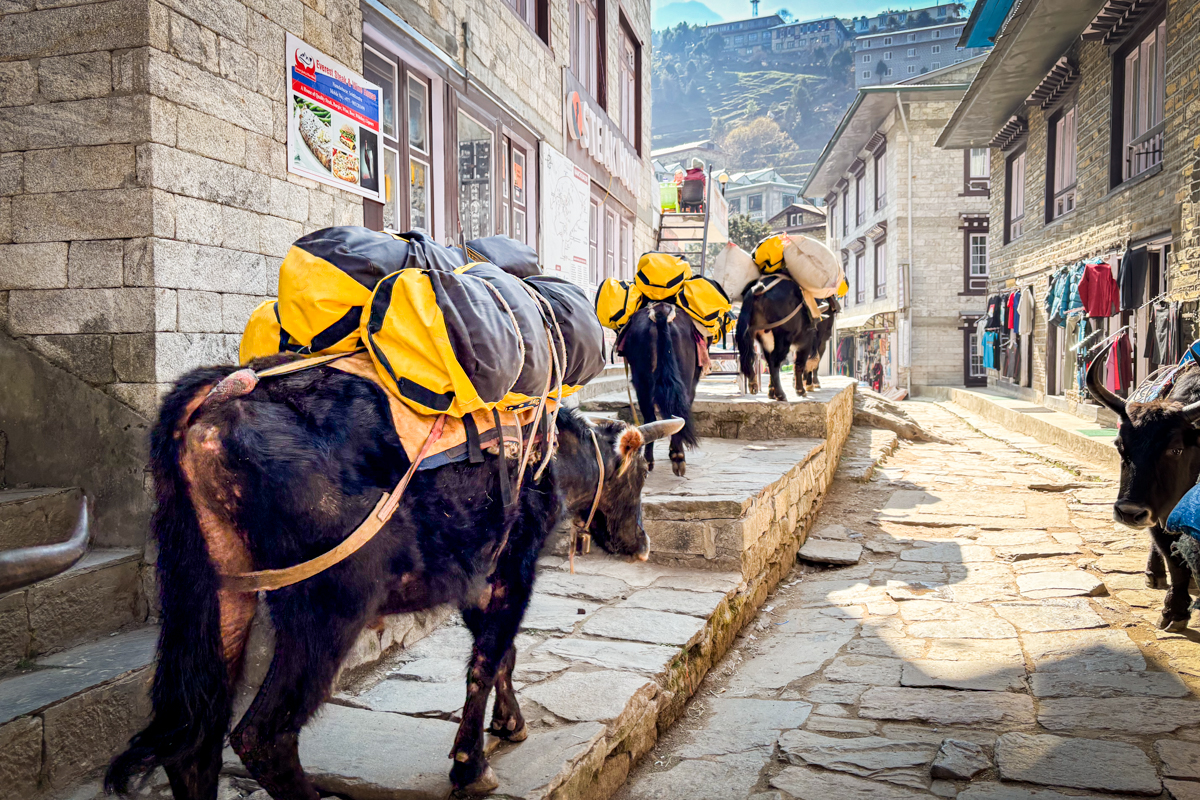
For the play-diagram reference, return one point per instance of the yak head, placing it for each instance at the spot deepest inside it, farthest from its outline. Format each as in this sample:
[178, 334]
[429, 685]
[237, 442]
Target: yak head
[1160, 450]
[583, 445]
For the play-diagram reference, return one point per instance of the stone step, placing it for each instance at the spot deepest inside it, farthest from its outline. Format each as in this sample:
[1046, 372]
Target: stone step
[68, 714]
[610, 382]
[721, 411]
[98, 596]
[30, 517]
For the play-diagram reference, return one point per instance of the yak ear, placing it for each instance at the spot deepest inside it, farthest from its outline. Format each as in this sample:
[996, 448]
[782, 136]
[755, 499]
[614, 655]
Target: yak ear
[629, 442]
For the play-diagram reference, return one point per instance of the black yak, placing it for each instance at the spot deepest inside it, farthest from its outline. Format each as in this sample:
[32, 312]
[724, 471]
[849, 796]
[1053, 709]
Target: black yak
[1160, 461]
[279, 475]
[775, 317]
[661, 345]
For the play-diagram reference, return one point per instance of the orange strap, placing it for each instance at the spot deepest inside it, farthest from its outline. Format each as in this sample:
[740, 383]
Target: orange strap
[267, 580]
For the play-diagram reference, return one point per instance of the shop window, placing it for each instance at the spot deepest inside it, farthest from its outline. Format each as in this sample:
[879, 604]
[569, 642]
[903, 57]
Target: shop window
[1014, 196]
[407, 150]
[629, 71]
[976, 369]
[391, 190]
[977, 171]
[1060, 172]
[382, 71]
[880, 180]
[860, 277]
[588, 46]
[880, 269]
[475, 147]
[419, 152]
[1139, 86]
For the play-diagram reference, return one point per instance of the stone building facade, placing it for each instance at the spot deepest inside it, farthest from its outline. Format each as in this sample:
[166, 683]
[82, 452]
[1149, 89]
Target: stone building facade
[912, 295]
[1109, 207]
[146, 202]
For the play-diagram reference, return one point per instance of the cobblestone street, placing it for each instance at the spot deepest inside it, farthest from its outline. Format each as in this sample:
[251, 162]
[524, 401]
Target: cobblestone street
[996, 641]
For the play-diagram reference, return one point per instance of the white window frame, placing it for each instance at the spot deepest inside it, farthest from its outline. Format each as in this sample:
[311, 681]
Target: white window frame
[1064, 178]
[978, 264]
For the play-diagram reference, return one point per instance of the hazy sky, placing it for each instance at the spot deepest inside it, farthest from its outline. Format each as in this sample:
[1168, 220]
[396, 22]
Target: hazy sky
[802, 9]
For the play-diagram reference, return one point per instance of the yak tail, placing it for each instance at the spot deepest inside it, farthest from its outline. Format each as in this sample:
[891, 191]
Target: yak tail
[192, 696]
[743, 337]
[670, 393]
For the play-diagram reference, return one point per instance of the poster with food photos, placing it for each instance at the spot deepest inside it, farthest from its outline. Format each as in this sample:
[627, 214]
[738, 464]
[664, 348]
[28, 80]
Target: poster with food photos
[333, 122]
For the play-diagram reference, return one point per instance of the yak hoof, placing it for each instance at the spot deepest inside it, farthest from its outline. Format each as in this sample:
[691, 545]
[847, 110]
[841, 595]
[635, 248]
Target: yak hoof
[1170, 625]
[679, 467]
[484, 784]
[1156, 581]
[501, 732]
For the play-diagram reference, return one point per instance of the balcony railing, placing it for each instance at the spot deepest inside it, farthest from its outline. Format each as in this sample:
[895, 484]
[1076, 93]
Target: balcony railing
[1145, 151]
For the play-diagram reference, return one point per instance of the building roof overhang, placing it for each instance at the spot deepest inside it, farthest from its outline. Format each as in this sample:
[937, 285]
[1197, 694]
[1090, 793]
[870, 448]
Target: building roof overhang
[868, 111]
[1029, 44]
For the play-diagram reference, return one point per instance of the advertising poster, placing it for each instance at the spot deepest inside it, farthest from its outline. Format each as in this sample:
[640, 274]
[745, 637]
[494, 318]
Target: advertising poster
[333, 122]
[565, 218]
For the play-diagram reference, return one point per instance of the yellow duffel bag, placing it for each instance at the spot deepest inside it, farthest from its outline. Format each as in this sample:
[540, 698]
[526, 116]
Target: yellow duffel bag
[444, 343]
[660, 276]
[263, 335]
[327, 277]
[768, 254]
[706, 302]
[616, 302]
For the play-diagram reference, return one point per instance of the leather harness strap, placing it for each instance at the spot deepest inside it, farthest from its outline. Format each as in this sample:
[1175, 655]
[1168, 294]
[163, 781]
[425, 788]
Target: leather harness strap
[575, 530]
[267, 580]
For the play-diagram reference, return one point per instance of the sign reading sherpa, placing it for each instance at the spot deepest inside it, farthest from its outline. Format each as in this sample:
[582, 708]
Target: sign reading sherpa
[333, 122]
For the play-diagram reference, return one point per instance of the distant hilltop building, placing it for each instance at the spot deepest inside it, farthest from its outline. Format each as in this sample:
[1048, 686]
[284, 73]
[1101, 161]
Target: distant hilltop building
[771, 34]
[910, 18]
[906, 54]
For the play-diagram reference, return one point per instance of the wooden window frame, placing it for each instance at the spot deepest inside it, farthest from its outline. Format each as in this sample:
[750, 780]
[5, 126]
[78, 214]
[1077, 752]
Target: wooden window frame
[880, 175]
[1152, 22]
[536, 16]
[880, 244]
[975, 285]
[625, 27]
[601, 51]
[1009, 220]
[976, 185]
[860, 276]
[1066, 193]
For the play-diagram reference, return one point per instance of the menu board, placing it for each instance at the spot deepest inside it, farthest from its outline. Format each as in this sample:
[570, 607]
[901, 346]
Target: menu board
[333, 122]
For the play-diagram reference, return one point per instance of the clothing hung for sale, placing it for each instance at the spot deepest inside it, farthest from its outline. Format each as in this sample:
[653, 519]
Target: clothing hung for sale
[1131, 277]
[1098, 292]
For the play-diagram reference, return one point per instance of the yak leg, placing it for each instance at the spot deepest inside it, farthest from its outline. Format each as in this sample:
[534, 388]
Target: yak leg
[1175, 613]
[198, 779]
[494, 628]
[678, 462]
[302, 671]
[1156, 570]
[775, 360]
[800, 373]
[645, 399]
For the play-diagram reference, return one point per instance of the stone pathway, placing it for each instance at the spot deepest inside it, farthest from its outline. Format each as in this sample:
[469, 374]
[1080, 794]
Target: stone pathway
[995, 642]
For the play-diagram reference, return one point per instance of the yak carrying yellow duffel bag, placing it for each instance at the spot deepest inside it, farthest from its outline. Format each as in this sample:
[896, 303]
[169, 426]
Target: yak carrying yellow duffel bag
[327, 278]
[444, 343]
[660, 276]
[706, 302]
[616, 302]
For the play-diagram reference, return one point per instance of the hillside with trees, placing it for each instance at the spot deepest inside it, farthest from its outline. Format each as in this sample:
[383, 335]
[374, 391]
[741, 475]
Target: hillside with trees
[766, 111]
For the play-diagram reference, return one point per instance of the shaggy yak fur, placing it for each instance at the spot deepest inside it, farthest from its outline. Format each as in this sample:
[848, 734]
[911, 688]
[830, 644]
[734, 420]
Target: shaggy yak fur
[284, 473]
[761, 308]
[1160, 462]
[659, 344]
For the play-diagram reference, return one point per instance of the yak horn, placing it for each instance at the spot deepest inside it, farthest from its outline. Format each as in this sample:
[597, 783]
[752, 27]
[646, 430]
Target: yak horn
[1191, 413]
[660, 429]
[1099, 391]
[27, 565]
